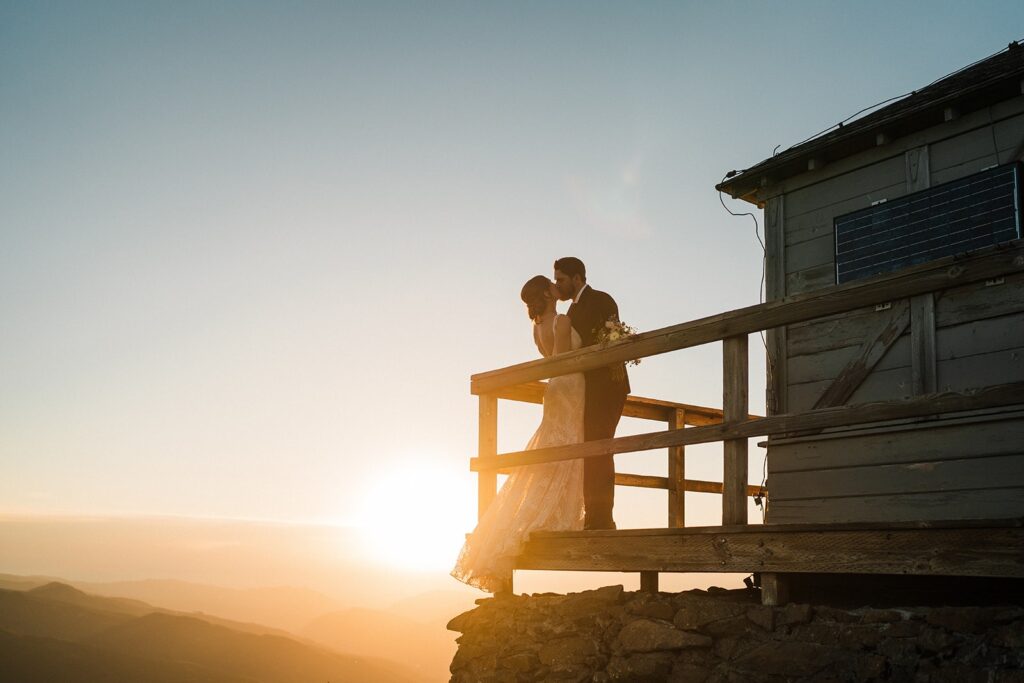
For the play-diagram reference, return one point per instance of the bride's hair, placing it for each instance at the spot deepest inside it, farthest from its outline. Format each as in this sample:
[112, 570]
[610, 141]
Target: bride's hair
[536, 294]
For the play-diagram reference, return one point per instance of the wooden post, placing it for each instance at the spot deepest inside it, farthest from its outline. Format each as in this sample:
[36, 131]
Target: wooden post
[734, 409]
[774, 589]
[487, 481]
[677, 475]
[649, 582]
[922, 343]
[775, 288]
[506, 588]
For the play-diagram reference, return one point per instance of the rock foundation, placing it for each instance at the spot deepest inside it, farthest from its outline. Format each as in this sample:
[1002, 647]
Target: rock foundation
[613, 635]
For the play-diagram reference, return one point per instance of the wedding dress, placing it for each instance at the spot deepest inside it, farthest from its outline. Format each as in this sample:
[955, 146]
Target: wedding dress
[547, 496]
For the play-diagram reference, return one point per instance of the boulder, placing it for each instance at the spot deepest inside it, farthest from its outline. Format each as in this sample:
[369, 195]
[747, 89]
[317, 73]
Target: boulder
[564, 653]
[646, 635]
[962, 619]
[684, 672]
[763, 616]
[640, 668]
[786, 658]
[793, 614]
[880, 616]
[657, 610]
[464, 621]
[694, 614]
[1011, 636]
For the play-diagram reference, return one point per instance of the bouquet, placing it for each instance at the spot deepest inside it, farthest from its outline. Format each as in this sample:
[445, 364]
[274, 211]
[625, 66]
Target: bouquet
[614, 331]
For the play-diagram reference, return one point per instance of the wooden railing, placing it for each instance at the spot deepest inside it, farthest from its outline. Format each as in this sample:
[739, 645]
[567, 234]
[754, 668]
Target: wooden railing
[675, 415]
[733, 425]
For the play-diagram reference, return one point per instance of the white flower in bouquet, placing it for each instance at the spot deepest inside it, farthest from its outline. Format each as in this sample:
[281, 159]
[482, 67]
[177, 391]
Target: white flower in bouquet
[615, 330]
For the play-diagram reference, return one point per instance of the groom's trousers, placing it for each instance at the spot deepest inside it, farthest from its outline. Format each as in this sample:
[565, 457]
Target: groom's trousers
[601, 417]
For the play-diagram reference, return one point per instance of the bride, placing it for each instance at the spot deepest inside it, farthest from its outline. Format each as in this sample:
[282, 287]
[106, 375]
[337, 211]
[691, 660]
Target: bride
[545, 496]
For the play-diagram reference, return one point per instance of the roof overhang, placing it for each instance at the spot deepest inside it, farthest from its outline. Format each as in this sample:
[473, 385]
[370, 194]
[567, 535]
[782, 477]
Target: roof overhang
[993, 80]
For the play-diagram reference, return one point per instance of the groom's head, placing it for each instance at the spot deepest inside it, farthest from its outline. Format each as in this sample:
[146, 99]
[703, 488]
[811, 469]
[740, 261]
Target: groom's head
[570, 276]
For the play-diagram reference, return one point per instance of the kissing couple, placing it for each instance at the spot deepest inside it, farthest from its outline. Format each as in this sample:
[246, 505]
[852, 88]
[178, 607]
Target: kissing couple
[567, 495]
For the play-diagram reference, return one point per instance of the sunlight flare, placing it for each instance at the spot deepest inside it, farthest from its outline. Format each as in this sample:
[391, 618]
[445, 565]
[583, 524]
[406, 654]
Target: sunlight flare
[415, 516]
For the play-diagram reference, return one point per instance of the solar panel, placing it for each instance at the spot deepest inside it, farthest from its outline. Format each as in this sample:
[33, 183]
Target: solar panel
[958, 216]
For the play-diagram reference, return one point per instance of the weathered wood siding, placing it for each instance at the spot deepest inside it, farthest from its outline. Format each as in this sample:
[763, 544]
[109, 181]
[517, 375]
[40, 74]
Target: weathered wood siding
[964, 338]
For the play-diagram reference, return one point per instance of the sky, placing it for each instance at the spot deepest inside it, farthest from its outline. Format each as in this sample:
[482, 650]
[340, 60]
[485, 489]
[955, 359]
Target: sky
[251, 252]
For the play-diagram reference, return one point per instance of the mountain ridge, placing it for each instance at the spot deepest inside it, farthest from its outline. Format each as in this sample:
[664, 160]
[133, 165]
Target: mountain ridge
[62, 624]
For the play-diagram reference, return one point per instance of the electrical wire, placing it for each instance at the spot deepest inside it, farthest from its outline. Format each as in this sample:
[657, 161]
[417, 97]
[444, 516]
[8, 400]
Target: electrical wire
[760, 497]
[1012, 45]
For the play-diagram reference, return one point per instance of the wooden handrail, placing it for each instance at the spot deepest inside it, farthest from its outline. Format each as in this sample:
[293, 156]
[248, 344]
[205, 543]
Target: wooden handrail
[697, 485]
[824, 418]
[648, 481]
[636, 406]
[935, 275]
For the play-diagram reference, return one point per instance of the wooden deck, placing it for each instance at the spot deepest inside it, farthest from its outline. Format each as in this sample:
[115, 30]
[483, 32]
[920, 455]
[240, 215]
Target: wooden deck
[987, 549]
[781, 553]
[993, 548]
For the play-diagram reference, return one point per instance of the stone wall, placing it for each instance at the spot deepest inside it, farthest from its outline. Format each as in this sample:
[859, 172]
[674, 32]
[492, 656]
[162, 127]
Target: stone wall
[612, 635]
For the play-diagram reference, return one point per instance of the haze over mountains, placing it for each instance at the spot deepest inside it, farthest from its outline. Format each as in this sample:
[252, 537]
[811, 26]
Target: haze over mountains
[56, 632]
[411, 631]
[88, 593]
[227, 581]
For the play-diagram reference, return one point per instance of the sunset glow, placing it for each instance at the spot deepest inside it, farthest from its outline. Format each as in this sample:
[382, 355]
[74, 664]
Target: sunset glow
[415, 517]
[262, 272]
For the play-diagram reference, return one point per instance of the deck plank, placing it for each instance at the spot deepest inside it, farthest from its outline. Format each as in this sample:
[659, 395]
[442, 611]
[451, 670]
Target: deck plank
[964, 548]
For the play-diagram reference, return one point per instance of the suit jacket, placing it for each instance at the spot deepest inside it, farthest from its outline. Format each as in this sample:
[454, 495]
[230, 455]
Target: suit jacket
[588, 315]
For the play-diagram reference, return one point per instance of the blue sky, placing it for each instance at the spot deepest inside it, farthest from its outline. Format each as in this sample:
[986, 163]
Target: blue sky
[250, 253]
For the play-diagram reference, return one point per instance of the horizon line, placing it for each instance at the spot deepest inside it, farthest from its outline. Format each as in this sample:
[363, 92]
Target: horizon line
[84, 516]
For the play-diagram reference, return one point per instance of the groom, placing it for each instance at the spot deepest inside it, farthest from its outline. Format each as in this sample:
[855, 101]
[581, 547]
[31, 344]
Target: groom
[605, 393]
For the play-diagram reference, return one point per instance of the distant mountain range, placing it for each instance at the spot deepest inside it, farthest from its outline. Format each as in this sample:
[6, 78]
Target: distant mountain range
[284, 607]
[313, 619]
[55, 632]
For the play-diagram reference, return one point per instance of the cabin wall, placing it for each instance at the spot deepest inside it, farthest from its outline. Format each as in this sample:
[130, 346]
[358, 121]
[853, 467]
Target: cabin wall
[967, 337]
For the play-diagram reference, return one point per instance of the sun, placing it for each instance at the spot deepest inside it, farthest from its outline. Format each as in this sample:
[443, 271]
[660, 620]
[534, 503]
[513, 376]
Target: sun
[415, 516]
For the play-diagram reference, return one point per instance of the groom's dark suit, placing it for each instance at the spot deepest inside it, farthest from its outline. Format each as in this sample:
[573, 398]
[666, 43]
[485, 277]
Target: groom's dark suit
[605, 397]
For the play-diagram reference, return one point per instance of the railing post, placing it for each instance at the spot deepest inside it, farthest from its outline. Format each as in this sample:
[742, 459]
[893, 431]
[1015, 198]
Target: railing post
[734, 409]
[487, 480]
[677, 474]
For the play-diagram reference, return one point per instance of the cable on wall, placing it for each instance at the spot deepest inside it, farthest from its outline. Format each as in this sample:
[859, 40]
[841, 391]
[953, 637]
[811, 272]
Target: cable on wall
[759, 499]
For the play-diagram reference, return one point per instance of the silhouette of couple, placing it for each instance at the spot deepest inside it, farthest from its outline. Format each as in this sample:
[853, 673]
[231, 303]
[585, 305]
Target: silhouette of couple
[565, 495]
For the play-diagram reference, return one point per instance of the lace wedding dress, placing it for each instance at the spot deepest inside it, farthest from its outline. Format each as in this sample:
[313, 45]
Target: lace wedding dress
[547, 496]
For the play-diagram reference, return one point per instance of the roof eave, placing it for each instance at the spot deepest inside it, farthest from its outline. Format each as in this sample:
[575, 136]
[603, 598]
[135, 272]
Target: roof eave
[749, 185]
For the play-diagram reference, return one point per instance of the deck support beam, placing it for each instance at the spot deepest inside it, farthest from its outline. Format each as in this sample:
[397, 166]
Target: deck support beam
[992, 548]
[649, 582]
[774, 589]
